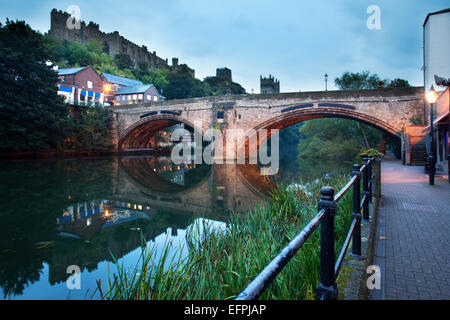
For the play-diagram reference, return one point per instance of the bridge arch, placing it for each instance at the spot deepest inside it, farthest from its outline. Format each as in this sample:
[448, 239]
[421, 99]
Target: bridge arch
[137, 135]
[296, 115]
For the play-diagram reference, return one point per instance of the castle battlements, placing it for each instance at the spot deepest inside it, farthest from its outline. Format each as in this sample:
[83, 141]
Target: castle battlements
[114, 43]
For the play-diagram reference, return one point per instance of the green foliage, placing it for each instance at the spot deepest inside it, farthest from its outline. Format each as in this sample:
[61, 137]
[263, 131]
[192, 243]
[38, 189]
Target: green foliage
[365, 80]
[182, 85]
[31, 112]
[370, 152]
[88, 129]
[175, 84]
[221, 87]
[398, 83]
[334, 138]
[357, 81]
[219, 265]
[123, 61]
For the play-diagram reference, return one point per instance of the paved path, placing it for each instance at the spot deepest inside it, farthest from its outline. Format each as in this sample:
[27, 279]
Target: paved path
[412, 245]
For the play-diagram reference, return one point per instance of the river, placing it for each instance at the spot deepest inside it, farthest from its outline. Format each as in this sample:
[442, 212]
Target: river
[80, 213]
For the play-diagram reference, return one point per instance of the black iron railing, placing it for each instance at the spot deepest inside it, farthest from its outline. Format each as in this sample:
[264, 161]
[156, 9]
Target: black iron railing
[327, 208]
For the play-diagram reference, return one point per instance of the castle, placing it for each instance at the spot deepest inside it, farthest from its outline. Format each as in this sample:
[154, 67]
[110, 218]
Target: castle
[269, 85]
[113, 42]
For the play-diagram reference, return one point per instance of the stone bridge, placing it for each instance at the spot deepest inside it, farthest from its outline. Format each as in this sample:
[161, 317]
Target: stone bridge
[134, 125]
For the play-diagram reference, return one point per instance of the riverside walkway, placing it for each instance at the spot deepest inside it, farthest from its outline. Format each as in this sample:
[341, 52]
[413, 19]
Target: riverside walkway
[412, 243]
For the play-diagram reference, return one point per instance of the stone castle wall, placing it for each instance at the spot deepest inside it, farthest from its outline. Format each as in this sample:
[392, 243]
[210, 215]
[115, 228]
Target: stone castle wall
[114, 42]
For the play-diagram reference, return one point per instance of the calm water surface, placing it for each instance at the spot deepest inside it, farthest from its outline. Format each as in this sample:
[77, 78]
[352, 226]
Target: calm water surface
[60, 213]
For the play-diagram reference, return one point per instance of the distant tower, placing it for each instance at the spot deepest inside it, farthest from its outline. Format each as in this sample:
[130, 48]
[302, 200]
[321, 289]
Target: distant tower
[223, 73]
[269, 85]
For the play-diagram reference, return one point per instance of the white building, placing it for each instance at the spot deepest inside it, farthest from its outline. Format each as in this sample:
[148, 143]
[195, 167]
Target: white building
[436, 47]
[436, 61]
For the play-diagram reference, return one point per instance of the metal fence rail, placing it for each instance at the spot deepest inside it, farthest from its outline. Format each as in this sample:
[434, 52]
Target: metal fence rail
[327, 209]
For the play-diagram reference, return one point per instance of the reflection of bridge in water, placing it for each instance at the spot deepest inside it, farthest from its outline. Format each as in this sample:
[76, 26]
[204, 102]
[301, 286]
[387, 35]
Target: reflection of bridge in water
[151, 196]
[205, 190]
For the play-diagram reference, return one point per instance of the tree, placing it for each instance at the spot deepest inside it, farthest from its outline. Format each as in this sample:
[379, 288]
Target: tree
[398, 83]
[32, 115]
[357, 81]
[123, 61]
[221, 86]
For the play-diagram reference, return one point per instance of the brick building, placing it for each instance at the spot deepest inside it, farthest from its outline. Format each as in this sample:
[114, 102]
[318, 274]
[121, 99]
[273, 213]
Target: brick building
[81, 86]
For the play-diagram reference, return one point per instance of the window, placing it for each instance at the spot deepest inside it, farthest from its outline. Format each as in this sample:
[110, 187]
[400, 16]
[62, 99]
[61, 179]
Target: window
[129, 98]
[89, 84]
[141, 96]
[134, 96]
[118, 98]
[155, 98]
[149, 97]
[220, 115]
[124, 98]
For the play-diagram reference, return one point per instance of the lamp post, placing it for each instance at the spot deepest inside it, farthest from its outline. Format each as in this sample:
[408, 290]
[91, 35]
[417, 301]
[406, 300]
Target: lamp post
[431, 97]
[403, 140]
[326, 82]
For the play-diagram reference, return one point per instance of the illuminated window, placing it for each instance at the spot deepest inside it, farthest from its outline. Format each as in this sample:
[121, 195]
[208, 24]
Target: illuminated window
[129, 98]
[149, 97]
[134, 96]
[155, 98]
[89, 84]
[139, 207]
[141, 96]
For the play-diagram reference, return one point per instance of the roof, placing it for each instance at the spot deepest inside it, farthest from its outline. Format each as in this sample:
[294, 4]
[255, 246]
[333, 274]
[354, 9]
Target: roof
[437, 12]
[134, 89]
[112, 78]
[65, 72]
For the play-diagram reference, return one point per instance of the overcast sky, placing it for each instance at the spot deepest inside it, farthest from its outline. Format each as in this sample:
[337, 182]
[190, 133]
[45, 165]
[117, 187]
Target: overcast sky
[296, 41]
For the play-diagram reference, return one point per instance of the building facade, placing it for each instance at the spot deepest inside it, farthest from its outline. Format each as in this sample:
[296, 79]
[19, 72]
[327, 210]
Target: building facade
[137, 94]
[436, 61]
[436, 47]
[269, 85]
[81, 86]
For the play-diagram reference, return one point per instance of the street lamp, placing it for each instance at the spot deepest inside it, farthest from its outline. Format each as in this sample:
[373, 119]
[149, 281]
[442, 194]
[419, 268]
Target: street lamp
[431, 97]
[403, 119]
[326, 82]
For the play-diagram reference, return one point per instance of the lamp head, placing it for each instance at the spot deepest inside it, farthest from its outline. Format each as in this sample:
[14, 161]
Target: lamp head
[431, 95]
[403, 120]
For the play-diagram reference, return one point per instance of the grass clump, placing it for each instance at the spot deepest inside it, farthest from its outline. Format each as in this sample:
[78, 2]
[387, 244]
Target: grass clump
[220, 264]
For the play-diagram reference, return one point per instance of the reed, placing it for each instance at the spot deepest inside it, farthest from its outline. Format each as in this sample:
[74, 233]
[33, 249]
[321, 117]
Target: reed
[219, 265]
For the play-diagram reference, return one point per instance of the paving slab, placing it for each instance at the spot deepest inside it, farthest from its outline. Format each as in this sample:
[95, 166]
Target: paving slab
[412, 243]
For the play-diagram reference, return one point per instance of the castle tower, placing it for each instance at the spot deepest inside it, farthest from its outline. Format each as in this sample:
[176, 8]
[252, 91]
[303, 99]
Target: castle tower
[223, 73]
[269, 85]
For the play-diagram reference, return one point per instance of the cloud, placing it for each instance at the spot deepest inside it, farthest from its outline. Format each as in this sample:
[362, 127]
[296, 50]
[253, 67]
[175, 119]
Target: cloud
[296, 41]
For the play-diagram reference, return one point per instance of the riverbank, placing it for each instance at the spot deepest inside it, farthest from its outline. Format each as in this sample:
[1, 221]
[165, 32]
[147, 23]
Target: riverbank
[80, 154]
[221, 262]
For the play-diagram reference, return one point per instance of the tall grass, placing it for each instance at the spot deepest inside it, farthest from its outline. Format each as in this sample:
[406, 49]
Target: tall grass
[221, 264]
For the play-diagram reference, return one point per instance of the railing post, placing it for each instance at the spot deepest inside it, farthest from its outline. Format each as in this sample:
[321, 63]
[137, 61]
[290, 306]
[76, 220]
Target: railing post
[356, 240]
[327, 288]
[370, 159]
[366, 215]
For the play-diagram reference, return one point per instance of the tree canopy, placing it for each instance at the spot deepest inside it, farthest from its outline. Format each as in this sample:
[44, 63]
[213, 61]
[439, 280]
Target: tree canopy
[31, 113]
